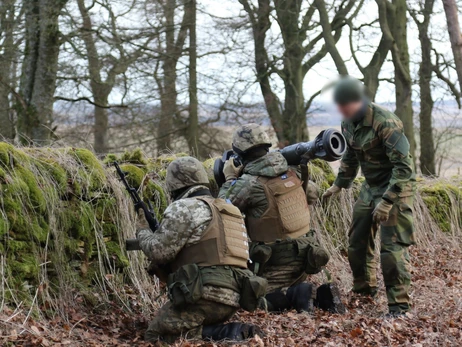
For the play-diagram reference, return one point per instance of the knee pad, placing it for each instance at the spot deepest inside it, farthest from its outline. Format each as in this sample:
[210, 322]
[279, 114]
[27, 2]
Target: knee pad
[300, 297]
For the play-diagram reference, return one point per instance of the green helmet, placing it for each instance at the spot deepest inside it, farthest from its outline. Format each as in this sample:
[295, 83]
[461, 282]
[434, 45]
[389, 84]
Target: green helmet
[249, 136]
[347, 90]
[185, 172]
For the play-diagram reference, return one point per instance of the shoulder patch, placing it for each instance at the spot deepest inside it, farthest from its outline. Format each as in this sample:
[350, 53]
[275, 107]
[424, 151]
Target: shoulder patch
[399, 142]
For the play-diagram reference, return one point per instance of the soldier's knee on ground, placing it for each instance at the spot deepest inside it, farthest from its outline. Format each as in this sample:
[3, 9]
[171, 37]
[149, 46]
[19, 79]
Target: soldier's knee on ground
[300, 297]
[232, 331]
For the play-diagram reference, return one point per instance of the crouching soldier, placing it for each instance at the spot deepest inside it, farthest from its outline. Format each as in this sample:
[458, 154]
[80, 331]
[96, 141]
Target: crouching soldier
[377, 145]
[283, 249]
[204, 242]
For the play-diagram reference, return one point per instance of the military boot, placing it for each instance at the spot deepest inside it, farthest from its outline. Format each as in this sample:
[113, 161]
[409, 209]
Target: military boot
[232, 331]
[277, 302]
[328, 298]
[301, 297]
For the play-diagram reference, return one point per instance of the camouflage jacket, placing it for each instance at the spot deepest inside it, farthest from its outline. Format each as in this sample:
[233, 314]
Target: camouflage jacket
[183, 224]
[378, 145]
[248, 194]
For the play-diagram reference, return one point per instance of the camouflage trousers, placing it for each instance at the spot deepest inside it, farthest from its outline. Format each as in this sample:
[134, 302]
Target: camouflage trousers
[396, 235]
[292, 261]
[284, 276]
[170, 323]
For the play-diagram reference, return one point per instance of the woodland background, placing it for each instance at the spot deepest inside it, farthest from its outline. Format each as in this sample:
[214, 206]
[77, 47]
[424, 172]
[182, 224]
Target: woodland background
[84, 83]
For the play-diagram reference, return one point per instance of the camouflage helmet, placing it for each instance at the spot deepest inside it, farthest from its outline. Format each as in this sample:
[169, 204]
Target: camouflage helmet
[185, 172]
[348, 89]
[249, 136]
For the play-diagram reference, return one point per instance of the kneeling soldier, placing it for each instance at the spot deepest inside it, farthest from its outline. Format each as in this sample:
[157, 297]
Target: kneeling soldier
[205, 245]
[284, 249]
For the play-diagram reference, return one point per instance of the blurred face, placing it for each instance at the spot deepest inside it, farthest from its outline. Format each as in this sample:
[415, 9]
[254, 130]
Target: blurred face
[349, 110]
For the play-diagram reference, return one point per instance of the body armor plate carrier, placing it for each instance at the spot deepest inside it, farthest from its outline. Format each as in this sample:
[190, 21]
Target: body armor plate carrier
[224, 242]
[287, 215]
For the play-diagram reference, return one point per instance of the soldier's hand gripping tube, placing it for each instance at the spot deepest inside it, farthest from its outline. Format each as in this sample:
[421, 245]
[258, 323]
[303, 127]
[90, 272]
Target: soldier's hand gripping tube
[329, 145]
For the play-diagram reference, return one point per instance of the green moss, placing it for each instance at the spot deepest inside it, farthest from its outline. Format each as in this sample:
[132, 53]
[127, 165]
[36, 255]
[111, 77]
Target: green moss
[58, 175]
[110, 230]
[36, 196]
[134, 157]
[5, 150]
[439, 198]
[4, 226]
[135, 175]
[156, 194]
[116, 254]
[24, 266]
[94, 170]
[110, 158]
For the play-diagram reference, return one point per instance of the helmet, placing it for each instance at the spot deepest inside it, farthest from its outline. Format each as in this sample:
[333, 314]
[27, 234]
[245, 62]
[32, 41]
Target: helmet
[185, 172]
[347, 90]
[249, 136]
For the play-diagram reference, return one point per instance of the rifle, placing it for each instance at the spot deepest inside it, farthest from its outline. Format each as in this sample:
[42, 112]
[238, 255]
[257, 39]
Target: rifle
[133, 244]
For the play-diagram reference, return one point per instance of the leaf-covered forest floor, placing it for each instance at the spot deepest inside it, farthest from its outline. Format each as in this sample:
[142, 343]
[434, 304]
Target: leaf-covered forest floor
[435, 320]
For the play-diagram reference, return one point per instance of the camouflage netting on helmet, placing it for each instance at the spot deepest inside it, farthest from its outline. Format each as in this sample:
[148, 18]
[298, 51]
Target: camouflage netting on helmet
[65, 217]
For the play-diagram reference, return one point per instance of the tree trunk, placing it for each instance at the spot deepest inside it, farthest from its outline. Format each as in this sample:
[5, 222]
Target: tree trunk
[40, 65]
[294, 115]
[403, 82]
[169, 93]
[193, 119]
[7, 66]
[427, 147]
[101, 125]
[455, 35]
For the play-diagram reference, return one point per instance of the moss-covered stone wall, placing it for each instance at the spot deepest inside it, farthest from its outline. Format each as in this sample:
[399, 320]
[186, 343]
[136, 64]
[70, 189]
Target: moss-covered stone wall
[65, 216]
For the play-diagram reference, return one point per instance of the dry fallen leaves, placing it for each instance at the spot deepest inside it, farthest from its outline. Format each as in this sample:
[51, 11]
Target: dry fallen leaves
[436, 318]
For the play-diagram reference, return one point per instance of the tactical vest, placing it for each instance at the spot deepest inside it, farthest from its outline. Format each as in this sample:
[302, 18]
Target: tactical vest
[224, 241]
[287, 215]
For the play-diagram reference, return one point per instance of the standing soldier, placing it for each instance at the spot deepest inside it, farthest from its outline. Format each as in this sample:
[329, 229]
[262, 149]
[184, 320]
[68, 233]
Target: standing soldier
[377, 144]
[205, 245]
[270, 194]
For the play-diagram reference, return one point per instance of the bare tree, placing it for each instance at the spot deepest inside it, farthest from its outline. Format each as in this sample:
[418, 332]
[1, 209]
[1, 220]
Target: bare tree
[39, 68]
[105, 67]
[192, 135]
[427, 146]
[298, 57]
[170, 50]
[10, 19]
[455, 35]
[395, 29]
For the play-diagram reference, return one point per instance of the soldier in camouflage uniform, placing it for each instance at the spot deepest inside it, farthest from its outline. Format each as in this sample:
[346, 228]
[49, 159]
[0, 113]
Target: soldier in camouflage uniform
[377, 145]
[270, 194]
[203, 243]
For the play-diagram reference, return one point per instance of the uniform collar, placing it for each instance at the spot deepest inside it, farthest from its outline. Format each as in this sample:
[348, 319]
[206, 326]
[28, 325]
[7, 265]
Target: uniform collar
[368, 118]
[192, 192]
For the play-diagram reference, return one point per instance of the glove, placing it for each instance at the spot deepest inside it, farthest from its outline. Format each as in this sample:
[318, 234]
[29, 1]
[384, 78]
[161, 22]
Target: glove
[230, 171]
[381, 212]
[141, 221]
[331, 191]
